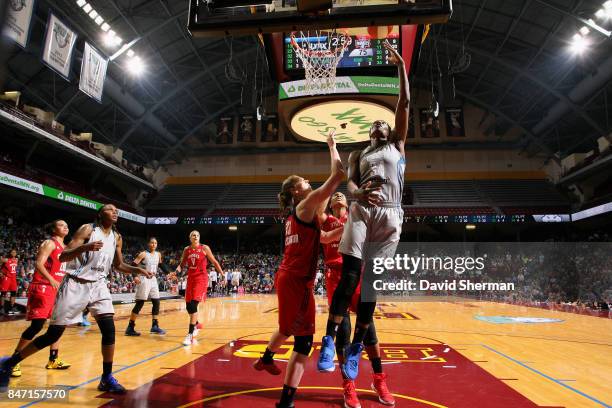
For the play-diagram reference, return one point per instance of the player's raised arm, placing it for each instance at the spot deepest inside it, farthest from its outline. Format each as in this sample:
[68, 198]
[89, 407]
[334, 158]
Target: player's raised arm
[327, 237]
[309, 206]
[402, 111]
[120, 264]
[77, 245]
[212, 259]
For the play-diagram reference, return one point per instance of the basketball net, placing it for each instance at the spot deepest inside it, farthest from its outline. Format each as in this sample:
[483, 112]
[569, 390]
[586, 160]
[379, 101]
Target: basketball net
[320, 53]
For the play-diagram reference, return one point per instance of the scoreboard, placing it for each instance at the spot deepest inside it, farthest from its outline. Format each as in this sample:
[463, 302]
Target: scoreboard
[468, 219]
[365, 50]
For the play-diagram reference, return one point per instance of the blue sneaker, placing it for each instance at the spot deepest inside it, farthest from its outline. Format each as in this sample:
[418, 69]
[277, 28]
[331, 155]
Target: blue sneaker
[110, 384]
[352, 354]
[85, 322]
[157, 330]
[326, 357]
[5, 374]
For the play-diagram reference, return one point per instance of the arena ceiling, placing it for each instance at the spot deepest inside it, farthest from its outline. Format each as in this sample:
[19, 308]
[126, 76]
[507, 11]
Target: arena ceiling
[510, 58]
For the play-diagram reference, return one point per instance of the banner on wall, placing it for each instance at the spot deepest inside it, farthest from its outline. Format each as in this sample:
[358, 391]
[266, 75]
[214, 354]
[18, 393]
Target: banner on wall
[430, 125]
[225, 131]
[246, 130]
[269, 129]
[455, 126]
[59, 45]
[18, 21]
[93, 72]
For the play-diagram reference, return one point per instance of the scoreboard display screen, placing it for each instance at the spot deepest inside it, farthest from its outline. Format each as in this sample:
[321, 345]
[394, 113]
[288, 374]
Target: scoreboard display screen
[365, 49]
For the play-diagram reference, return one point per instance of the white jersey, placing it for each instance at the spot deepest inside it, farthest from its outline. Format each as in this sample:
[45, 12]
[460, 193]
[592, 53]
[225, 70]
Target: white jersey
[95, 265]
[151, 261]
[384, 166]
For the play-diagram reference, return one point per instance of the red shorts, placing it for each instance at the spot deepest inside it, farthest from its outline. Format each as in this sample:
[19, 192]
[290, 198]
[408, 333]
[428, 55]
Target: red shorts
[296, 305]
[196, 289]
[41, 299]
[8, 284]
[332, 279]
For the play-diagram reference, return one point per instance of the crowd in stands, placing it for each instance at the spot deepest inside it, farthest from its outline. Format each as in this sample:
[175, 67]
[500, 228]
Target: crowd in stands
[137, 170]
[551, 273]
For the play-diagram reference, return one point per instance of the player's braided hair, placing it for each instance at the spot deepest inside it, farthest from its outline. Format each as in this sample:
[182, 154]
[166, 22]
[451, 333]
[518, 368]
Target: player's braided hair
[50, 227]
[98, 221]
[285, 198]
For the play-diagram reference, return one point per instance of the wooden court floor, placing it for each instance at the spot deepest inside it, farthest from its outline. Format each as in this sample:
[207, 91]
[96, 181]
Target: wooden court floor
[438, 353]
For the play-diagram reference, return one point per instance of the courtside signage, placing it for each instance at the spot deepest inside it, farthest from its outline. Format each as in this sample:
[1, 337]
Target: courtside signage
[47, 191]
[344, 85]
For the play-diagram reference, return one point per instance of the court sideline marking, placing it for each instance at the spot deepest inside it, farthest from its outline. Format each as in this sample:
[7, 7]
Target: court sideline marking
[547, 376]
[73, 387]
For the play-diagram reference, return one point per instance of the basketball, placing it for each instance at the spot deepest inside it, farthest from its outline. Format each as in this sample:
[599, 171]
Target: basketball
[379, 32]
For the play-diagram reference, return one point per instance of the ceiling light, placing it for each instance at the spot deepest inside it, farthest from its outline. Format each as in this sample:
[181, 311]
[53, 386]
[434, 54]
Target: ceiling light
[87, 8]
[99, 20]
[105, 27]
[579, 44]
[109, 39]
[117, 41]
[93, 14]
[584, 30]
[233, 228]
[470, 227]
[601, 13]
[130, 53]
[81, 3]
[608, 4]
[135, 65]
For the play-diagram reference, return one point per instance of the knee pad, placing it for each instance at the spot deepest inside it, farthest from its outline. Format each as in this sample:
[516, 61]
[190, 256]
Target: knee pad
[370, 339]
[192, 306]
[343, 336]
[107, 328]
[35, 327]
[351, 275]
[302, 345]
[365, 312]
[155, 302]
[138, 306]
[52, 335]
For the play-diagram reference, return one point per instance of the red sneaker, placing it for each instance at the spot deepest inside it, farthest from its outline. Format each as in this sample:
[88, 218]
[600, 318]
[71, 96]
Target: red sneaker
[380, 386]
[272, 368]
[350, 395]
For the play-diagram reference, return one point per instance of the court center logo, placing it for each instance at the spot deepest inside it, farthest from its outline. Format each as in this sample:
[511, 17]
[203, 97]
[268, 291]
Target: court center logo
[17, 5]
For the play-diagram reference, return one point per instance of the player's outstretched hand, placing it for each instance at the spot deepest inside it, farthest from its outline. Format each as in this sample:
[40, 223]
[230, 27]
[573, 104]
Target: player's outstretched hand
[331, 142]
[93, 246]
[394, 57]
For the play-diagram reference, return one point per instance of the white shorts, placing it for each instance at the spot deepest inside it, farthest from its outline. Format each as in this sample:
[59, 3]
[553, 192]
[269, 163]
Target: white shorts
[74, 296]
[378, 227]
[147, 288]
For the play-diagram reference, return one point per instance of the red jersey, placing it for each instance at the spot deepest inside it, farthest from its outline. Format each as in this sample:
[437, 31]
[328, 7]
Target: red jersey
[331, 256]
[53, 265]
[301, 253]
[9, 268]
[196, 262]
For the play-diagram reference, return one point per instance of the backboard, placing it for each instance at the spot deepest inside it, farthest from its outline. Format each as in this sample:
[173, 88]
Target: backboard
[211, 18]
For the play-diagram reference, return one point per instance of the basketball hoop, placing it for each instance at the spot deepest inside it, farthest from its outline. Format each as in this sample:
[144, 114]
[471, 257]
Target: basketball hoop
[320, 53]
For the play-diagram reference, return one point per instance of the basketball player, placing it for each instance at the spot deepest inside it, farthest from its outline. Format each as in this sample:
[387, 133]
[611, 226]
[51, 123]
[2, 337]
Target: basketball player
[300, 205]
[334, 225]
[47, 277]
[8, 283]
[93, 251]
[195, 257]
[376, 181]
[147, 288]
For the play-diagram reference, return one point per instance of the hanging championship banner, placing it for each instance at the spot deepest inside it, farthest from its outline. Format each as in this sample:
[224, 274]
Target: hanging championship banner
[93, 72]
[18, 20]
[59, 44]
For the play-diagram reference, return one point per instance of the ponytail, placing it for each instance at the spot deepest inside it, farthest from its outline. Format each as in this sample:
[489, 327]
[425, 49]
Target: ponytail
[285, 198]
